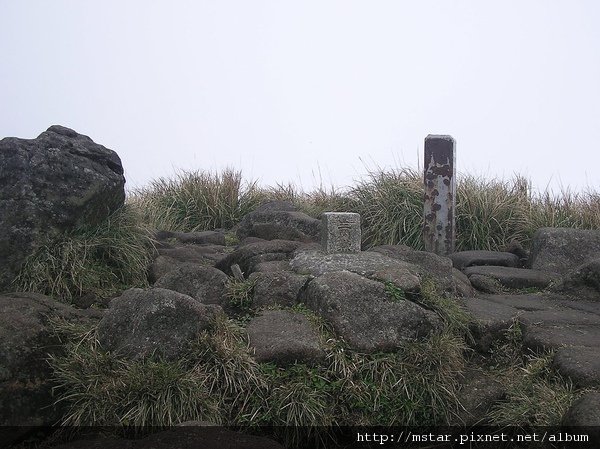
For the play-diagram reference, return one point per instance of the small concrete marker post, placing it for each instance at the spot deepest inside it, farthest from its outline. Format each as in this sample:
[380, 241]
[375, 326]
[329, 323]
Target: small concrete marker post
[340, 232]
[440, 194]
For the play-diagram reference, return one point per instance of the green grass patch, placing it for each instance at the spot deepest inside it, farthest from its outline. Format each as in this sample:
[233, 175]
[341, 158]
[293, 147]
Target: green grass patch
[240, 293]
[197, 201]
[100, 260]
[536, 394]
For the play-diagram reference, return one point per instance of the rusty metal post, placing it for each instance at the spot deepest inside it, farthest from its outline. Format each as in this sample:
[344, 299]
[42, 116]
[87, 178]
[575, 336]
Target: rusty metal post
[440, 194]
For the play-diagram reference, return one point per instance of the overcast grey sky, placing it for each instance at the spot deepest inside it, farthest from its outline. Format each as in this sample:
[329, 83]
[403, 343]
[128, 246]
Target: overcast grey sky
[284, 90]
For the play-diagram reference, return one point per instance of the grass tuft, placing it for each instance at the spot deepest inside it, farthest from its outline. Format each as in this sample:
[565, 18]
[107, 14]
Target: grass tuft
[100, 260]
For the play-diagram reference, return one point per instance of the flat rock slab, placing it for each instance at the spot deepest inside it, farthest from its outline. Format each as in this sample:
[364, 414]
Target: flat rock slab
[368, 264]
[541, 337]
[514, 278]
[464, 259]
[580, 364]
[284, 337]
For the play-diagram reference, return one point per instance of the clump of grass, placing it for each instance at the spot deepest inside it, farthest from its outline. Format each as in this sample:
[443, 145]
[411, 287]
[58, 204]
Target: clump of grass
[240, 292]
[197, 201]
[491, 213]
[536, 395]
[394, 292]
[98, 388]
[99, 260]
[213, 382]
[391, 208]
[456, 318]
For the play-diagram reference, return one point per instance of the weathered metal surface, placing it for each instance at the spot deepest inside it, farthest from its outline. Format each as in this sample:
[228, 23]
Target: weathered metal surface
[440, 194]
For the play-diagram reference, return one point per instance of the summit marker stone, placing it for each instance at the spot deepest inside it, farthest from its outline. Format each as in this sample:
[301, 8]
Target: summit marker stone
[440, 194]
[340, 232]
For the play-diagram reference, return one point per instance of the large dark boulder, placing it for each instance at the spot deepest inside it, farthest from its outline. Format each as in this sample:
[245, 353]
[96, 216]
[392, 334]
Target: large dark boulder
[145, 322]
[53, 183]
[364, 314]
[560, 250]
[27, 338]
[279, 220]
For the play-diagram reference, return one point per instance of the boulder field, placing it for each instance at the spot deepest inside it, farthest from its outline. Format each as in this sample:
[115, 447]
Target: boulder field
[369, 298]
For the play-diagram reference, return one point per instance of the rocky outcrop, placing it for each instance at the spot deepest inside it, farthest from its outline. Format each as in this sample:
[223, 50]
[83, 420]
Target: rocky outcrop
[53, 183]
[145, 322]
[364, 315]
[27, 338]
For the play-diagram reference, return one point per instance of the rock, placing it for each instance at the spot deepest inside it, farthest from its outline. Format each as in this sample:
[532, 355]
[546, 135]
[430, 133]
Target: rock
[249, 256]
[464, 259]
[485, 284]
[559, 250]
[276, 265]
[429, 265]
[369, 264]
[581, 283]
[277, 288]
[26, 339]
[143, 322]
[284, 337]
[540, 337]
[364, 315]
[580, 364]
[478, 392]
[51, 184]
[515, 247]
[491, 321]
[205, 284]
[279, 221]
[462, 284]
[170, 258]
[184, 437]
[514, 278]
[584, 412]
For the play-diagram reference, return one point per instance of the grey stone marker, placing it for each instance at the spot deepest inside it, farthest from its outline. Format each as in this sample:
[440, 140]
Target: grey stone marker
[440, 194]
[340, 232]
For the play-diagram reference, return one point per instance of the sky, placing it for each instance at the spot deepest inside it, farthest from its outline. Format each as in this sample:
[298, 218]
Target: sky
[311, 92]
